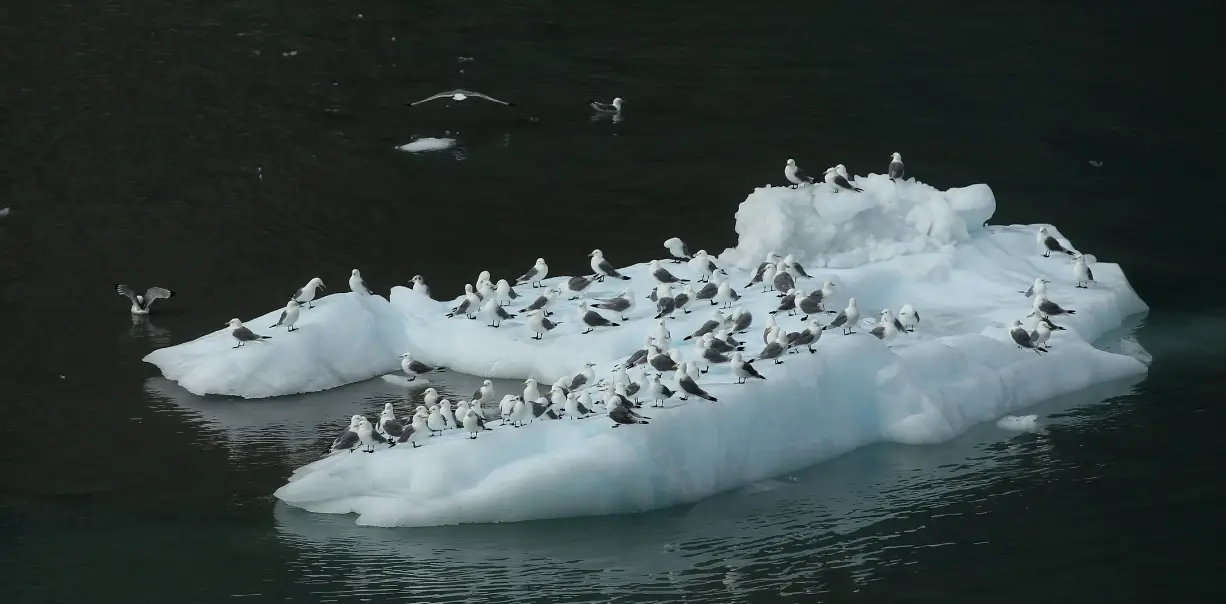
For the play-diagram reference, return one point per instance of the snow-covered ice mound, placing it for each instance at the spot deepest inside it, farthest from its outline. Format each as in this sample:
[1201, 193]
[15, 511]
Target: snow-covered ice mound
[345, 338]
[959, 368]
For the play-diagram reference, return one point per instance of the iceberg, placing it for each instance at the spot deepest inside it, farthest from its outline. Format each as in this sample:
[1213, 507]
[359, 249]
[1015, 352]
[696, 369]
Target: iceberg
[897, 243]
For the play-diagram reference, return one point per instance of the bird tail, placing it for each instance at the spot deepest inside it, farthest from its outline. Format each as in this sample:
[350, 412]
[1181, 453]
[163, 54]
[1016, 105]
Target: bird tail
[625, 278]
[857, 189]
[1071, 312]
[1071, 253]
[711, 398]
[619, 324]
[262, 338]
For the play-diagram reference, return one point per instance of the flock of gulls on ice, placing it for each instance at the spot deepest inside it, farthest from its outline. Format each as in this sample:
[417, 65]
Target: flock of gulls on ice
[584, 395]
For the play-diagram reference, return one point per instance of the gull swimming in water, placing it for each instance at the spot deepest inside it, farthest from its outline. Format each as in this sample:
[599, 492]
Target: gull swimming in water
[141, 304]
[306, 293]
[896, 167]
[677, 248]
[795, 175]
[242, 334]
[459, 94]
[614, 107]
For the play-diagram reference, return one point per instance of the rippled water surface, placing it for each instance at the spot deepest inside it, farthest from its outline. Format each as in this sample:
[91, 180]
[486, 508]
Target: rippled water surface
[232, 150]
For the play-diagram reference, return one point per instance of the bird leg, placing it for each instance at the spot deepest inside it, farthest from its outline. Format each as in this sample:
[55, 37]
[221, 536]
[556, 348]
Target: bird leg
[589, 330]
[811, 351]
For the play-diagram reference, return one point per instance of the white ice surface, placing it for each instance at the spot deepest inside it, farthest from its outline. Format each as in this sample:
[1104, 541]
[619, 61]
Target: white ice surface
[428, 144]
[957, 370]
[345, 338]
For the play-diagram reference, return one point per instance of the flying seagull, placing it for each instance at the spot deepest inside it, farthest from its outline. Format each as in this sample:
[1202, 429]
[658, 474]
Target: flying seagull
[140, 304]
[459, 94]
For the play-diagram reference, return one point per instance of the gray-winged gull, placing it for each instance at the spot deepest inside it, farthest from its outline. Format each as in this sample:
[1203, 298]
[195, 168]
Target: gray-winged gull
[896, 168]
[1082, 272]
[242, 334]
[493, 311]
[795, 175]
[1049, 243]
[839, 181]
[358, 285]
[677, 248]
[459, 94]
[603, 268]
[662, 275]
[908, 317]
[1021, 337]
[743, 370]
[593, 319]
[141, 304]
[846, 318]
[348, 440]
[621, 305]
[539, 324]
[306, 293]
[1050, 309]
[535, 274]
[414, 368]
[542, 302]
[614, 107]
[289, 316]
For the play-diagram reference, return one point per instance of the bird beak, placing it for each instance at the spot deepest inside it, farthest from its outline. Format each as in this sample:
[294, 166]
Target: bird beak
[592, 254]
[321, 284]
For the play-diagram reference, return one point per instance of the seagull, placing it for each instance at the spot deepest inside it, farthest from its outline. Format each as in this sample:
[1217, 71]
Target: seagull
[887, 328]
[368, 436]
[767, 276]
[771, 259]
[806, 337]
[702, 264]
[809, 305]
[289, 316]
[306, 293]
[602, 268]
[535, 274]
[662, 275]
[419, 285]
[659, 361]
[725, 295]
[1049, 243]
[484, 394]
[358, 285]
[795, 175]
[687, 385]
[242, 334]
[349, 438]
[682, 300]
[677, 248]
[614, 107]
[540, 325]
[775, 348]
[896, 167]
[708, 291]
[783, 281]
[839, 181]
[575, 409]
[473, 423]
[715, 322]
[485, 289]
[1042, 329]
[587, 376]
[622, 304]
[908, 318]
[622, 415]
[788, 302]
[577, 284]
[1048, 308]
[1082, 273]
[436, 422]
[444, 407]
[657, 392]
[665, 303]
[141, 304]
[640, 356]
[469, 305]
[414, 368]
[389, 427]
[1039, 288]
[846, 318]
[795, 268]
[459, 94]
[743, 370]
[505, 292]
[1021, 337]
[710, 355]
[543, 302]
[593, 319]
[495, 312]
[741, 319]
[768, 332]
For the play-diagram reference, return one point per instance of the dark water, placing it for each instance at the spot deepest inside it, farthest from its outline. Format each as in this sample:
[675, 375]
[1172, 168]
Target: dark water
[182, 144]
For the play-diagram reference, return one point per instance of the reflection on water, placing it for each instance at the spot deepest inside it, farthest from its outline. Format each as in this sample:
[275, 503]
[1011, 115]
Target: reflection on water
[143, 330]
[834, 528]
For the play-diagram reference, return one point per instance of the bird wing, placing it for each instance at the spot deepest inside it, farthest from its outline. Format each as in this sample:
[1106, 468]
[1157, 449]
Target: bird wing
[242, 333]
[1089, 273]
[839, 319]
[420, 367]
[486, 97]
[437, 96]
[578, 282]
[594, 319]
[124, 290]
[295, 295]
[547, 324]
[363, 282]
[282, 319]
[348, 440]
[916, 315]
[528, 276]
[156, 293]
[898, 324]
[501, 313]
[606, 267]
[896, 169]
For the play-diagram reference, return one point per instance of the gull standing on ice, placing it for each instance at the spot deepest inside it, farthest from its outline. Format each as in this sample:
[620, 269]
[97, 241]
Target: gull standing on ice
[1038, 289]
[535, 274]
[807, 337]
[495, 312]
[622, 304]
[388, 426]
[640, 356]
[539, 324]
[473, 423]
[657, 392]
[887, 328]
[436, 422]
[444, 407]
[614, 107]
[711, 356]
[414, 368]
[622, 415]
[760, 274]
[687, 385]
[768, 332]
[709, 290]
[795, 268]
[349, 438]
[659, 361]
[1082, 273]
[505, 292]
[677, 248]
[662, 275]
[459, 94]
[896, 167]
[289, 316]
[368, 436]
[577, 285]
[767, 277]
[358, 285]
[1048, 308]
[485, 290]
[795, 175]
[306, 293]
[664, 302]
[469, 305]
[682, 299]
[1042, 329]
[788, 302]
[741, 320]
[575, 409]
[141, 304]
[775, 348]
[419, 285]
[593, 319]
[743, 370]
[587, 376]
[783, 280]
[1021, 337]
[725, 295]
[809, 305]
[702, 264]
[846, 318]
[839, 181]
[242, 334]
[715, 322]
[1049, 244]
[543, 302]
[602, 268]
[484, 394]
[908, 318]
